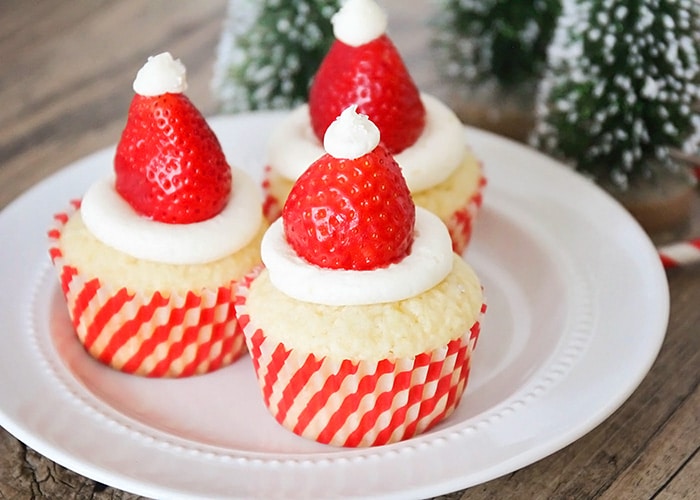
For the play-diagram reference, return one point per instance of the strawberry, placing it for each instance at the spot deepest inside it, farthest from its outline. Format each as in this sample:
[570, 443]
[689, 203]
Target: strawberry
[169, 165]
[374, 77]
[351, 213]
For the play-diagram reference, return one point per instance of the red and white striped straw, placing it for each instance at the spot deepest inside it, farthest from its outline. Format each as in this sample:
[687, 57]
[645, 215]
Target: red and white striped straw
[681, 253]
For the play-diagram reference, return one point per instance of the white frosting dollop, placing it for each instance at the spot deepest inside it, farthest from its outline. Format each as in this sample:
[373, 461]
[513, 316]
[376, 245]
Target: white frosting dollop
[112, 221]
[435, 155]
[359, 22]
[350, 135]
[427, 265]
[160, 75]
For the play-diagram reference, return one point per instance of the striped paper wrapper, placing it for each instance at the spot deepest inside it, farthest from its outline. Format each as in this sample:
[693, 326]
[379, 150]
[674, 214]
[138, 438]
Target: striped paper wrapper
[272, 206]
[357, 403]
[154, 335]
[461, 224]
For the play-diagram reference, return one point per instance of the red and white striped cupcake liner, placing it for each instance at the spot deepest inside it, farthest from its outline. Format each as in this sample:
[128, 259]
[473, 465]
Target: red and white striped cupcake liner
[155, 335]
[461, 224]
[272, 206]
[356, 403]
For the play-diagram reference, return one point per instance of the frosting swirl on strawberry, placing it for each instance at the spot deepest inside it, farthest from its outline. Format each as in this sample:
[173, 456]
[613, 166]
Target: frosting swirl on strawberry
[359, 22]
[351, 135]
[349, 232]
[160, 75]
[172, 198]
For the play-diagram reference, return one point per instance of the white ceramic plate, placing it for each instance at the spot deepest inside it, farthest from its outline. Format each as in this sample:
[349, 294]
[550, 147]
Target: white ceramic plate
[578, 308]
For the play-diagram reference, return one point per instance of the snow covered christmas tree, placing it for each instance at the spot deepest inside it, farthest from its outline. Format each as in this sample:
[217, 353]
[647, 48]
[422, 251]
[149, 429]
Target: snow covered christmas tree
[269, 51]
[496, 50]
[622, 88]
[496, 40]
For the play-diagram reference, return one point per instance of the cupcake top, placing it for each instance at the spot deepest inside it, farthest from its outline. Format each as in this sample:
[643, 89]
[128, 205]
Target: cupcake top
[349, 232]
[172, 197]
[364, 68]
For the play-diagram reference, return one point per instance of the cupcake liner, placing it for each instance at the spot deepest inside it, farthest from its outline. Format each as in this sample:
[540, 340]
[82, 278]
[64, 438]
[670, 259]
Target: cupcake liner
[461, 223]
[272, 207]
[356, 403]
[156, 335]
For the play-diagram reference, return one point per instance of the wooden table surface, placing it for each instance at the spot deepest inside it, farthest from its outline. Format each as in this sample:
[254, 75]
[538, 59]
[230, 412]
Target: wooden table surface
[65, 84]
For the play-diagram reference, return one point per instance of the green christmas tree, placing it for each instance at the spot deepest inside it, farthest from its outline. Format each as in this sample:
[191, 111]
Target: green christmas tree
[501, 41]
[269, 51]
[622, 87]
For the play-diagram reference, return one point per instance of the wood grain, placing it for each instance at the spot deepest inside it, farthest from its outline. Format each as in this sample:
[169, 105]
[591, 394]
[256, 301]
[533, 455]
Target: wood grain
[65, 85]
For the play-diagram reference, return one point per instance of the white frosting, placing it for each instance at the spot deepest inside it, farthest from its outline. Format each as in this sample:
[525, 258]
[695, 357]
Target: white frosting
[293, 146]
[112, 221]
[429, 161]
[351, 135]
[427, 265]
[359, 22]
[160, 75]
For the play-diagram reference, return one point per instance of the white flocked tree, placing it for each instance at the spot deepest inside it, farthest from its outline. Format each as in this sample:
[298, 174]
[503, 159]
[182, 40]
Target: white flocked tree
[622, 88]
[495, 41]
[493, 54]
[268, 52]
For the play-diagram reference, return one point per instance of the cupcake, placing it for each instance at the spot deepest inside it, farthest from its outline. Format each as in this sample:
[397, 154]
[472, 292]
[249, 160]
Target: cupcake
[362, 323]
[149, 257]
[363, 67]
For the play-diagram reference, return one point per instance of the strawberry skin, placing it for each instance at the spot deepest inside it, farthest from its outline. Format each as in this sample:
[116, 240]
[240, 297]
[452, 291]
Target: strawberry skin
[351, 214]
[374, 77]
[169, 164]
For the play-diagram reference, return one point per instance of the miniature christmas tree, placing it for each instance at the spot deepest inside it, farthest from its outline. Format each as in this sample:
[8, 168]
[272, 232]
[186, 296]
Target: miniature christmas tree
[496, 40]
[496, 50]
[621, 89]
[269, 51]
